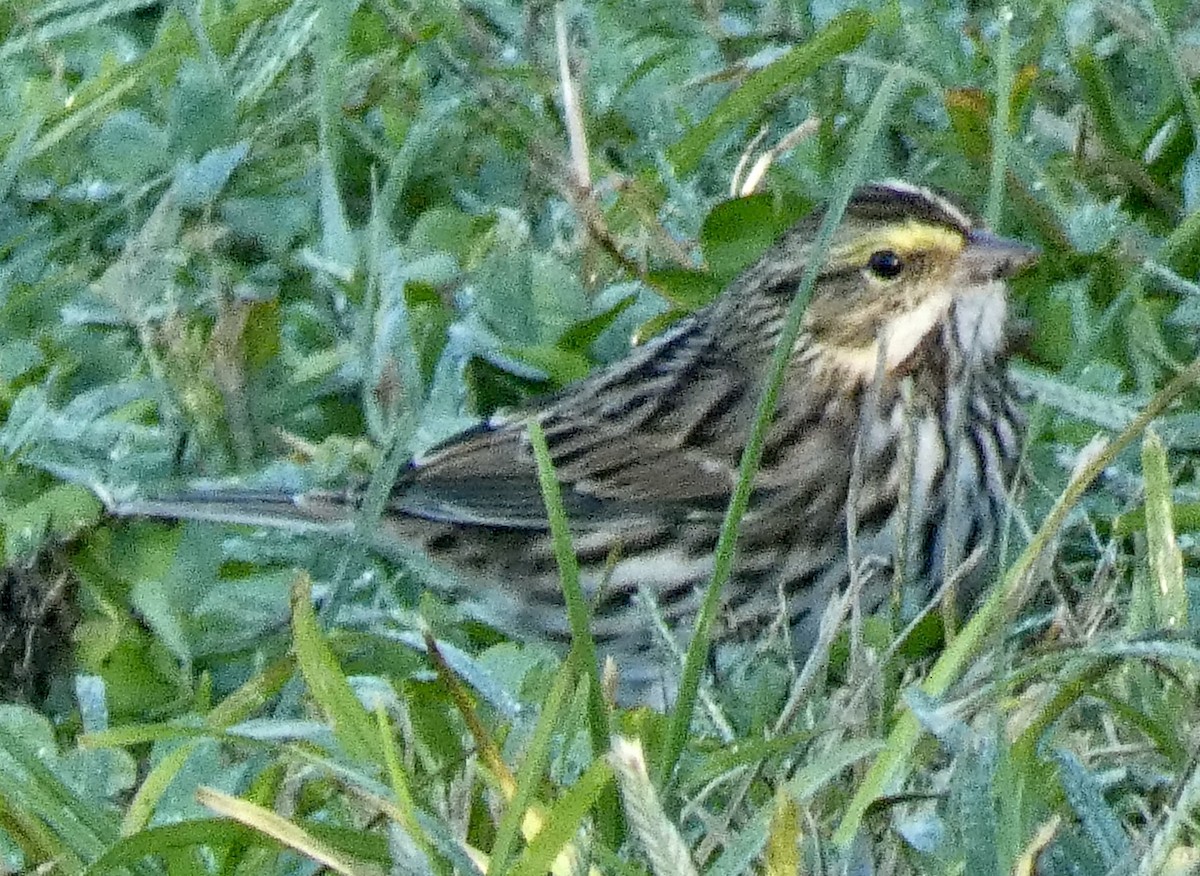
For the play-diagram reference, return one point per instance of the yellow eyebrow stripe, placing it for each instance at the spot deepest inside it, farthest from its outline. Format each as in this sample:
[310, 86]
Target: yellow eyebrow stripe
[902, 238]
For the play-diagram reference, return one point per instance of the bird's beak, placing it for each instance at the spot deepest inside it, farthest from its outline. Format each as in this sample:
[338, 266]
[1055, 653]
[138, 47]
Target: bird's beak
[988, 256]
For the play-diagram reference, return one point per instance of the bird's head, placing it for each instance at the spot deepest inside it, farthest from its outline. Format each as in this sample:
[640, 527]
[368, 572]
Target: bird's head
[904, 263]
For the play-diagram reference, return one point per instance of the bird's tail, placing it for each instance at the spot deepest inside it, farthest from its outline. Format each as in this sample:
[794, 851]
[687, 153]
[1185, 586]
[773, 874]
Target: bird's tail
[324, 512]
[328, 512]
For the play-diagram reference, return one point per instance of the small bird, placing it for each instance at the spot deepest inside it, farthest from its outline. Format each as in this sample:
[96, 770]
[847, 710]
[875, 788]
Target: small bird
[895, 395]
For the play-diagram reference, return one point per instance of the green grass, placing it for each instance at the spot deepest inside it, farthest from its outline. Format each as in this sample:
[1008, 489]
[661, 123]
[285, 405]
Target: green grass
[303, 241]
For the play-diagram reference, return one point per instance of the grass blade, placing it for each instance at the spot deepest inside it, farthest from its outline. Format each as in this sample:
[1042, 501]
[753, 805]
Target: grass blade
[1169, 598]
[697, 656]
[844, 33]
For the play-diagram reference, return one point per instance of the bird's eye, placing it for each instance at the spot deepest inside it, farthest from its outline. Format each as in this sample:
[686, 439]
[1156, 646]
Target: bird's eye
[885, 264]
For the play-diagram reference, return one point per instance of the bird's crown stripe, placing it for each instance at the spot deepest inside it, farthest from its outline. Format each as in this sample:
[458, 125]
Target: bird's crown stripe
[893, 201]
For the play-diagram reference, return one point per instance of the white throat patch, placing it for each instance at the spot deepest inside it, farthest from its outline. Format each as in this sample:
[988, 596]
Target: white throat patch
[902, 338]
[978, 325]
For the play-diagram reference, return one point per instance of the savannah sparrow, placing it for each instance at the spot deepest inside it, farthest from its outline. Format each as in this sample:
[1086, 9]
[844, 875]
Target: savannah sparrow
[896, 386]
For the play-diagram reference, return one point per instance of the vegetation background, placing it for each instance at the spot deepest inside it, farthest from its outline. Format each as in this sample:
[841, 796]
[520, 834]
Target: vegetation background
[300, 239]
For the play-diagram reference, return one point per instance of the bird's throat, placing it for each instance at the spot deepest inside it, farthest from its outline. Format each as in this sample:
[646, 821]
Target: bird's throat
[892, 349]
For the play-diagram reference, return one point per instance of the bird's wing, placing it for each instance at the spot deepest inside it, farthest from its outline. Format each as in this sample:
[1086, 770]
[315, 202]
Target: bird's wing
[622, 445]
[491, 478]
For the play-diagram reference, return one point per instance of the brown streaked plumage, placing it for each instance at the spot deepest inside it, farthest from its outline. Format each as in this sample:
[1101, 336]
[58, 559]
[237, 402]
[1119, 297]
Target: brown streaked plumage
[647, 449]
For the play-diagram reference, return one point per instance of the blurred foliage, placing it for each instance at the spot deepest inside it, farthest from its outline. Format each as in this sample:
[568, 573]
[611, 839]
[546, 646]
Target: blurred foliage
[279, 239]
